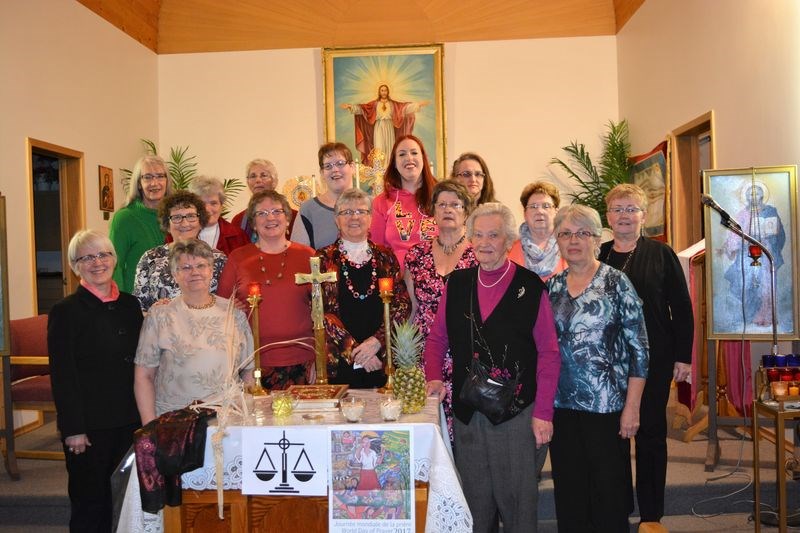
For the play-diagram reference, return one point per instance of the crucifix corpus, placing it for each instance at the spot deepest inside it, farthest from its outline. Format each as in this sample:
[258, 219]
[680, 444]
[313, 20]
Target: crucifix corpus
[316, 279]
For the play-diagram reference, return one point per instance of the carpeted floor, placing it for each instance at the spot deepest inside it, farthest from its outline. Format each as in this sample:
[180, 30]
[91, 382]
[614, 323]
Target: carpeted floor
[696, 500]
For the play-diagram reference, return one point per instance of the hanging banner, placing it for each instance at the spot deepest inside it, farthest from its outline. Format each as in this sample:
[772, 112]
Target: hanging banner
[372, 480]
[285, 461]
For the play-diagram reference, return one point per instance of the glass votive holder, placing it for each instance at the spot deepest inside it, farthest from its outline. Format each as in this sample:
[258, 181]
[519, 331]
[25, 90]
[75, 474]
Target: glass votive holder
[779, 388]
[794, 390]
[787, 374]
[391, 409]
[780, 360]
[283, 403]
[792, 360]
[352, 408]
[773, 374]
[768, 360]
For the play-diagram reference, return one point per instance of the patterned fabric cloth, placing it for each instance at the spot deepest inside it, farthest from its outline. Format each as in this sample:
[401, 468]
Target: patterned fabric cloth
[189, 349]
[165, 448]
[154, 280]
[283, 377]
[428, 290]
[602, 338]
[545, 262]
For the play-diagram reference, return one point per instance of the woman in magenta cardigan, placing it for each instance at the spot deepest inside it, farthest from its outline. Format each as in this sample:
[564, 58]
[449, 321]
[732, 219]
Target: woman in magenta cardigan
[399, 215]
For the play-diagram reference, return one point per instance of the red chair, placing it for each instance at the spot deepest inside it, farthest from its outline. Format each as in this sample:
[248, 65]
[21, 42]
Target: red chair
[26, 385]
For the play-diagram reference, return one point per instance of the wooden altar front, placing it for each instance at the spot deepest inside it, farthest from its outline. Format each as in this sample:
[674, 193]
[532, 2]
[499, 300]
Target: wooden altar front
[262, 514]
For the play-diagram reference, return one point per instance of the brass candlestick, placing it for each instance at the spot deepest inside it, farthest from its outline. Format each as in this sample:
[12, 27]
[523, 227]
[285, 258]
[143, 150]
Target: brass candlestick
[254, 299]
[386, 286]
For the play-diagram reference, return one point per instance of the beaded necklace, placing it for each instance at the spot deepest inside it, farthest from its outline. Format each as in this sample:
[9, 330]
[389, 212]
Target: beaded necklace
[346, 264]
[279, 275]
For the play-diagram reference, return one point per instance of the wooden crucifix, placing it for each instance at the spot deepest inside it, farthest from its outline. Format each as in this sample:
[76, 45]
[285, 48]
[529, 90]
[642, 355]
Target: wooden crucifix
[316, 279]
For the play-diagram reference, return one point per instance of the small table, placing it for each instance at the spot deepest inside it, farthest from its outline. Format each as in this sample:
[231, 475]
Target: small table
[446, 508]
[779, 414]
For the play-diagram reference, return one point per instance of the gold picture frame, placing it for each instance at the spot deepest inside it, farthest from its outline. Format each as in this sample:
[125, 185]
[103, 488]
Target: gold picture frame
[737, 292]
[353, 86]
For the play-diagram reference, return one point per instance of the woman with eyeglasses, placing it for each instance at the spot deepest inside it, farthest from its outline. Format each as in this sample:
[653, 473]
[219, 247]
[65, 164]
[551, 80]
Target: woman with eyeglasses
[471, 170]
[536, 248]
[430, 263]
[658, 278]
[604, 360]
[399, 214]
[188, 346]
[182, 215]
[135, 227]
[260, 175]
[317, 227]
[353, 307]
[91, 339]
[268, 267]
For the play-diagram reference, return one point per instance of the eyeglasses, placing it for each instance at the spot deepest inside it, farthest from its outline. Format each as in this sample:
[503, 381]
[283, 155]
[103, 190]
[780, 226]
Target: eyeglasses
[91, 258]
[455, 206]
[580, 234]
[266, 176]
[189, 217]
[543, 205]
[337, 164]
[351, 212]
[188, 269]
[274, 212]
[154, 177]
[467, 174]
[620, 210]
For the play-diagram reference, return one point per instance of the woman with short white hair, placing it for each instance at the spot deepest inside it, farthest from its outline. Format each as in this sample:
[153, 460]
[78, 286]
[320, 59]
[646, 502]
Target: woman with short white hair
[218, 232]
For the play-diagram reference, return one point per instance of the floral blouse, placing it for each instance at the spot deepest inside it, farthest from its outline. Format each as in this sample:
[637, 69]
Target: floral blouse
[428, 284]
[602, 339]
[153, 280]
[189, 348]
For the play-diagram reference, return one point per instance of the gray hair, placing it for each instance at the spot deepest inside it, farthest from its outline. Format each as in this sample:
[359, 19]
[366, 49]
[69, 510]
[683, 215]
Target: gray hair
[135, 186]
[264, 163]
[88, 237]
[584, 217]
[192, 247]
[206, 186]
[495, 208]
[352, 195]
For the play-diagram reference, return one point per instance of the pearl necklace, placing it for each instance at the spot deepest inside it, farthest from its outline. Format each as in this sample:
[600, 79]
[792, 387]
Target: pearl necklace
[496, 282]
[346, 263]
[204, 306]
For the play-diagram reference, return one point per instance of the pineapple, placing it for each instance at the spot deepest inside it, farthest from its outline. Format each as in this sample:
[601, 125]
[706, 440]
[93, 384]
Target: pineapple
[409, 379]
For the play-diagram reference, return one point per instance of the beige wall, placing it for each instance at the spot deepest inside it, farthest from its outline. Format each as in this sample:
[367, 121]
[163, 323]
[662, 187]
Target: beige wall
[71, 79]
[514, 102]
[681, 58]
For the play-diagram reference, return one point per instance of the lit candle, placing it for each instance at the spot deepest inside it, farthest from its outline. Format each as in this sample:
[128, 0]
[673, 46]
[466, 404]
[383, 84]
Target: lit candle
[794, 390]
[385, 284]
[358, 174]
[255, 289]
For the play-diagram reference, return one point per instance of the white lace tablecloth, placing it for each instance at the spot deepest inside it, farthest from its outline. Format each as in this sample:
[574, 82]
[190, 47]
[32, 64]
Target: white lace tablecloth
[447, 508]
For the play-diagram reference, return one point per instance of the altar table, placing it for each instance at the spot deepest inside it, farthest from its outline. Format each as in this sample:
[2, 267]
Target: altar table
[447, 509]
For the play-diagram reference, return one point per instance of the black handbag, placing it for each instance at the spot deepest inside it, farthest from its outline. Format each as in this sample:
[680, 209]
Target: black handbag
[493, 397]
[489, 396]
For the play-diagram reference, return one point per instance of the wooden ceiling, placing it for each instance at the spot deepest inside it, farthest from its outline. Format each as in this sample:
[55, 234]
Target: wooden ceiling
[188, 26]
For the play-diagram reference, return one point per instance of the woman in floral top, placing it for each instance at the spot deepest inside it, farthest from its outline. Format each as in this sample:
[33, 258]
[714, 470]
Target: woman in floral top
[604, 362]
[429, 264]
[182, 215]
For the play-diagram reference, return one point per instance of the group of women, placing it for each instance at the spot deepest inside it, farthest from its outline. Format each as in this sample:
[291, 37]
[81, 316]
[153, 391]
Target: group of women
[558, 321]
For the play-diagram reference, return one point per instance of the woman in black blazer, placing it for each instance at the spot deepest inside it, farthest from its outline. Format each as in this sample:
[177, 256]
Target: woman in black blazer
[91, 337]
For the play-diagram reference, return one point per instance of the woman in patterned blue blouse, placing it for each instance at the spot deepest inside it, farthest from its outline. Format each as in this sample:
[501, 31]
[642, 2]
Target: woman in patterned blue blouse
[604, 361]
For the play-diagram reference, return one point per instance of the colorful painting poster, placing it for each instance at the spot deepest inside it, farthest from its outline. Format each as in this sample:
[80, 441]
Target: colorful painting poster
[371, 480]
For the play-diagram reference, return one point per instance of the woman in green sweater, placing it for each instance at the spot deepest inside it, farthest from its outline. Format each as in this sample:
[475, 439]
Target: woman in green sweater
[135, 227]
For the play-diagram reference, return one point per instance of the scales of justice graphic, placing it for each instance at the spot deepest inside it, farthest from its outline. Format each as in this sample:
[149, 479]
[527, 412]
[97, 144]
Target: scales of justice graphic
[301, 472]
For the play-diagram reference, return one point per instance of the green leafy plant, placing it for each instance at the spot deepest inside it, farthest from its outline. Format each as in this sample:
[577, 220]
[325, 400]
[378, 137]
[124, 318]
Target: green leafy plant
[182, 168]
[596, 181]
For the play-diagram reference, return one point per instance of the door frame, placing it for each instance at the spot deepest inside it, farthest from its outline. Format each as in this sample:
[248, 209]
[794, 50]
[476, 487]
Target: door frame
[71, 199]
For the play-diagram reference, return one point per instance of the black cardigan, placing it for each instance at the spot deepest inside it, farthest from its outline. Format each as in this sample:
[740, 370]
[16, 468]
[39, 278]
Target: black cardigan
[92, 346]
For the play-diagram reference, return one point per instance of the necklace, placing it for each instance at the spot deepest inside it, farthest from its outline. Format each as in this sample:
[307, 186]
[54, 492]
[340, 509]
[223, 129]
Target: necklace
[448, 249]
[627, 258]
[279, 275]
[496, 282]
[203, 306]
[346, 264]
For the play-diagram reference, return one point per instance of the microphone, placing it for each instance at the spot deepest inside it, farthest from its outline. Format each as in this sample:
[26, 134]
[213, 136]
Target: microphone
[707, 200]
